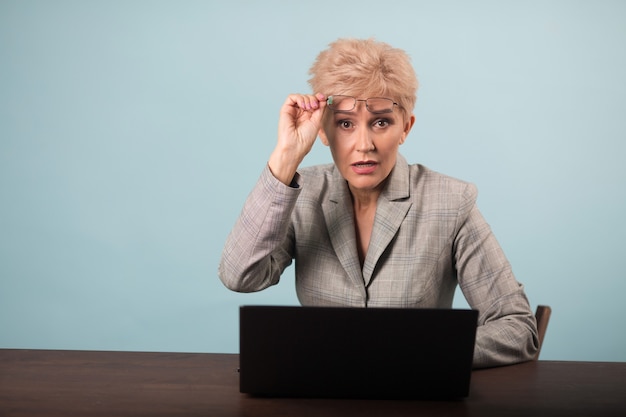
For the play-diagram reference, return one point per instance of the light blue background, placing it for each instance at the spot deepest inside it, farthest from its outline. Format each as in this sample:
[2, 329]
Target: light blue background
[132, 131]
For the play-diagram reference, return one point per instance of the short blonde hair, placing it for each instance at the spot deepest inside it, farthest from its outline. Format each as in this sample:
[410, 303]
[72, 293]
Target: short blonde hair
[365, 67]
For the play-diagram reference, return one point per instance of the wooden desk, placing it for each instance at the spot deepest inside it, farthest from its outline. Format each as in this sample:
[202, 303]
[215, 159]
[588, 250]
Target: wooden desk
[79, 383]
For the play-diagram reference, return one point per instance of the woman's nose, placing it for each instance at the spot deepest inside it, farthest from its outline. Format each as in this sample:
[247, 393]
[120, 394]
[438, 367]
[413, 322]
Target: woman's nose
[364, 141]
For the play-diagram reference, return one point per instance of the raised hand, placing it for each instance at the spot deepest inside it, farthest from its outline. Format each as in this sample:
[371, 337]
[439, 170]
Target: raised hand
[299, 122]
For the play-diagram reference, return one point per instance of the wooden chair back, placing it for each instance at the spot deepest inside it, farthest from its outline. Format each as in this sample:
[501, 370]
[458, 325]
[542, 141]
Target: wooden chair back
[542, 315]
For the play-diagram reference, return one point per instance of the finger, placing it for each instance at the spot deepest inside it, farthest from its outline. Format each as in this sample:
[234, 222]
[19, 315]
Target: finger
[317, 115]
[307, 102]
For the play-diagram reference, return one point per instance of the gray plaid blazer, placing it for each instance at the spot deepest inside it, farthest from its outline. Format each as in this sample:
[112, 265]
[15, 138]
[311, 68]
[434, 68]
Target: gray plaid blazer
[428, 237]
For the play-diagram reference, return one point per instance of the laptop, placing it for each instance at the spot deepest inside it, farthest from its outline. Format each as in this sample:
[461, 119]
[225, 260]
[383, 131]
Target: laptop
[350, 352]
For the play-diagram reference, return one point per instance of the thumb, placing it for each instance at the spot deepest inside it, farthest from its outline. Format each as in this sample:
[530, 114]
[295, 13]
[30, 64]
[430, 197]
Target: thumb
[318, 114]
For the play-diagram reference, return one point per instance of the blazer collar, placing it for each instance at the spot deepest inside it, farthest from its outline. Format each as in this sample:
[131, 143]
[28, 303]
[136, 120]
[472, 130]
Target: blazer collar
[392, 207]
[397, 187]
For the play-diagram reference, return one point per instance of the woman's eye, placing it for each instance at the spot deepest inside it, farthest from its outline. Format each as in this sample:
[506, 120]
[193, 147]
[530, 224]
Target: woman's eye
[381, 123]
[345, 124]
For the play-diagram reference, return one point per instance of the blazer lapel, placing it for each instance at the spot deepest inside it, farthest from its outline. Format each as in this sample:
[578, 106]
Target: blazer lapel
[340, 224]
[391, 209]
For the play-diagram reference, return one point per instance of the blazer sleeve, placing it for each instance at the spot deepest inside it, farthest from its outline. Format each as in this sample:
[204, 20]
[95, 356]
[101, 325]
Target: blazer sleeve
[260, 245]
[507, 330]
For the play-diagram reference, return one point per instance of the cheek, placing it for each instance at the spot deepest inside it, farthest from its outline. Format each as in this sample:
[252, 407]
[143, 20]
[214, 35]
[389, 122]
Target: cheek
[340, 150]
[336, 149]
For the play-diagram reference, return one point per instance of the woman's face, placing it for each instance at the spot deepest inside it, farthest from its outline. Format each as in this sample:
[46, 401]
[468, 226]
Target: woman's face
[364, 144]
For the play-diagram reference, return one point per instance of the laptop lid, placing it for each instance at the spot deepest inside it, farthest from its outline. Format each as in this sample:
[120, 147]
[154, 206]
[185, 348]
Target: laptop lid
[346, 352]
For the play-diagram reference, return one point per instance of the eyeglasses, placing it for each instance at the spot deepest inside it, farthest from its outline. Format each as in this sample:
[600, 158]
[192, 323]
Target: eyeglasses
[372, 104]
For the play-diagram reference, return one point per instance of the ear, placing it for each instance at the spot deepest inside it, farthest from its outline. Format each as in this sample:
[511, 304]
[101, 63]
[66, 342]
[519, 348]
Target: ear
[323, 136]
[407, 128]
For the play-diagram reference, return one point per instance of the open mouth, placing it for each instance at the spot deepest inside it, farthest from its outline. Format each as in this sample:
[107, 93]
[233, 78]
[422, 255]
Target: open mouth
[364, 164]
[364, 167]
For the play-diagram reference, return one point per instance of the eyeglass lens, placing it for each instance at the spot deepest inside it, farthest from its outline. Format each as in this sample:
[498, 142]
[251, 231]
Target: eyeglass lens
[348, 103]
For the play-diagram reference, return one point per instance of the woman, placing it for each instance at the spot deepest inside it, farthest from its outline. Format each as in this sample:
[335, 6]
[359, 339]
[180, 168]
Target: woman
[371, 230]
